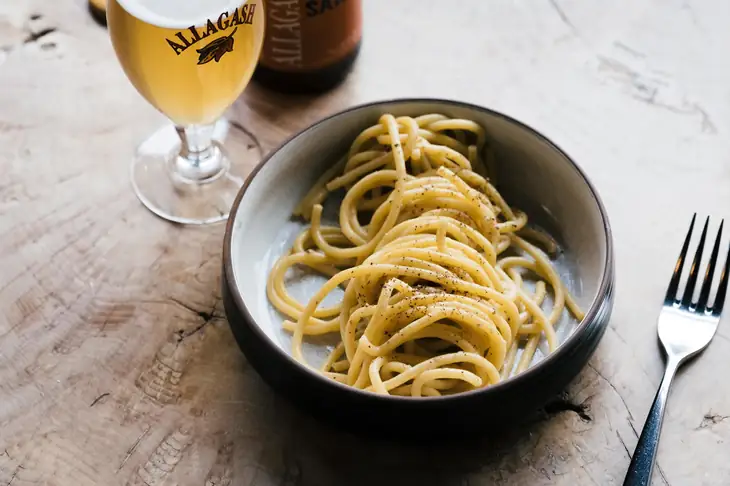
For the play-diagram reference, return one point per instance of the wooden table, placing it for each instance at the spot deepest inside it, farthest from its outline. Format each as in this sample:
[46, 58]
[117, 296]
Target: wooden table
[102, 305]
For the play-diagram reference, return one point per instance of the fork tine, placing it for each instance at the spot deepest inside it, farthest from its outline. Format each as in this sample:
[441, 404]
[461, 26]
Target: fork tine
[722, 289]
[694, 269]
[707, 283]
[674, 282]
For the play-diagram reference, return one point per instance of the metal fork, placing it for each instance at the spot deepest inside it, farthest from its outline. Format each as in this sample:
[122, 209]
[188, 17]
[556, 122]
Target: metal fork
[685, 328]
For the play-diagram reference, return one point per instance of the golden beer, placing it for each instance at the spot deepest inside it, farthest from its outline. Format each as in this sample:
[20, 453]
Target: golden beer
[189, 59]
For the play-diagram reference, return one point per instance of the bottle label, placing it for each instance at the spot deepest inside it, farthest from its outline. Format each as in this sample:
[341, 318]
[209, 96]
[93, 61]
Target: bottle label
[305, 35]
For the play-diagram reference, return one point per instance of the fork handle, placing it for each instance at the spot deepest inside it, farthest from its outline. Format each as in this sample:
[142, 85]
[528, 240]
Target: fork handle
[642, 463]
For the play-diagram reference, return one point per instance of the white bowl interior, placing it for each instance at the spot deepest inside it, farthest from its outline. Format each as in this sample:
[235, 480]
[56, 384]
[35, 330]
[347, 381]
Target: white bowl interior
[530, 172]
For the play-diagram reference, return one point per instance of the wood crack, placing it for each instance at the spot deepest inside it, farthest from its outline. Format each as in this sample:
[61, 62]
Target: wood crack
[631, 424]
[630, 50]
[621, 338]
[36, 36]
[15, 473]
[564, 18]
[205, 316]
[662, 475]
[131, 450]
[563, 404]
[711, 419]
[707, 124]
[620, 439]
[613, 387]
[183, 335]
[98, 399]
[239, 126]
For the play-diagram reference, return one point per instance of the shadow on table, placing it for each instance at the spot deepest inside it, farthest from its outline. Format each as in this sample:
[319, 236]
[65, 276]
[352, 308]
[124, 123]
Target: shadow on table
[274, 443]
[309, 452]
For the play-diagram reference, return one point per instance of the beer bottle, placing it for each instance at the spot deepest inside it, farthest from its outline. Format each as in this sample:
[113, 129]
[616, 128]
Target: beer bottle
[98, 10]
[310, 45]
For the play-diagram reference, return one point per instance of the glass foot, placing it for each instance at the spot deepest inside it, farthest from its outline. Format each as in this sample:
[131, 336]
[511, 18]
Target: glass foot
[172, 196]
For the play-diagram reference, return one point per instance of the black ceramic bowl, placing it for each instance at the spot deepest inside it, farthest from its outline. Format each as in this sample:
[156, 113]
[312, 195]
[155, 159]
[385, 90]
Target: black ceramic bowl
[531, 172]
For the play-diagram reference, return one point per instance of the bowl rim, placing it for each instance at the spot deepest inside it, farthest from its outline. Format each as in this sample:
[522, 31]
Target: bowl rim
[602, 294]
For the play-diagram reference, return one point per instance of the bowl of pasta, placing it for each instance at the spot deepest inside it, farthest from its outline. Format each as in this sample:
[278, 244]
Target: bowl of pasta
[418, 265]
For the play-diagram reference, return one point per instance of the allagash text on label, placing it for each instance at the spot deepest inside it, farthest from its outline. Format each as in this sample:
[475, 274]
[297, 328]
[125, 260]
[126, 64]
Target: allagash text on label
[189, 37]
[286, 32]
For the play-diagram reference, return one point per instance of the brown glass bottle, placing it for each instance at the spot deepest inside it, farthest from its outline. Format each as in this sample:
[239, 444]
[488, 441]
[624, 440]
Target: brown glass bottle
[310, 45]
[98, 10]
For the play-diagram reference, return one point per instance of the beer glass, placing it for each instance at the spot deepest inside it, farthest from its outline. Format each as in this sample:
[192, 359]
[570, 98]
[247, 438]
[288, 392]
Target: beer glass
[189, 59]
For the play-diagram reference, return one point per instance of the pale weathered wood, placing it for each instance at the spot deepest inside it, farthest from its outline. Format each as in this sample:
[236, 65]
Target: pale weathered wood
[116, 364]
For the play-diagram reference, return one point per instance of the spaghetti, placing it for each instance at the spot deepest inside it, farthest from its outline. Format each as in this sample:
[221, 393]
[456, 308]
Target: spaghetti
[435, 300]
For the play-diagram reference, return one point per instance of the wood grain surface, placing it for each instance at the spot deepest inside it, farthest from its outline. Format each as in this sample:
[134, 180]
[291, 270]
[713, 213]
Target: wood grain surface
[117, 366]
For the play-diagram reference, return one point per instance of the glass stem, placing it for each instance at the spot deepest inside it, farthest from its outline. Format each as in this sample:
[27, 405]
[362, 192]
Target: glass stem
[200, 159]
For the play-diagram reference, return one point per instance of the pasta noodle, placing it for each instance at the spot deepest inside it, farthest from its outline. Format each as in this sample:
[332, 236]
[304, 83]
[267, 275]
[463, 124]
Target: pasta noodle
[435, 300]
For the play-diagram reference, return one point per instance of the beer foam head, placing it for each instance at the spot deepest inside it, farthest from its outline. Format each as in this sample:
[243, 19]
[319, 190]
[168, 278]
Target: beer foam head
[177, 14]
